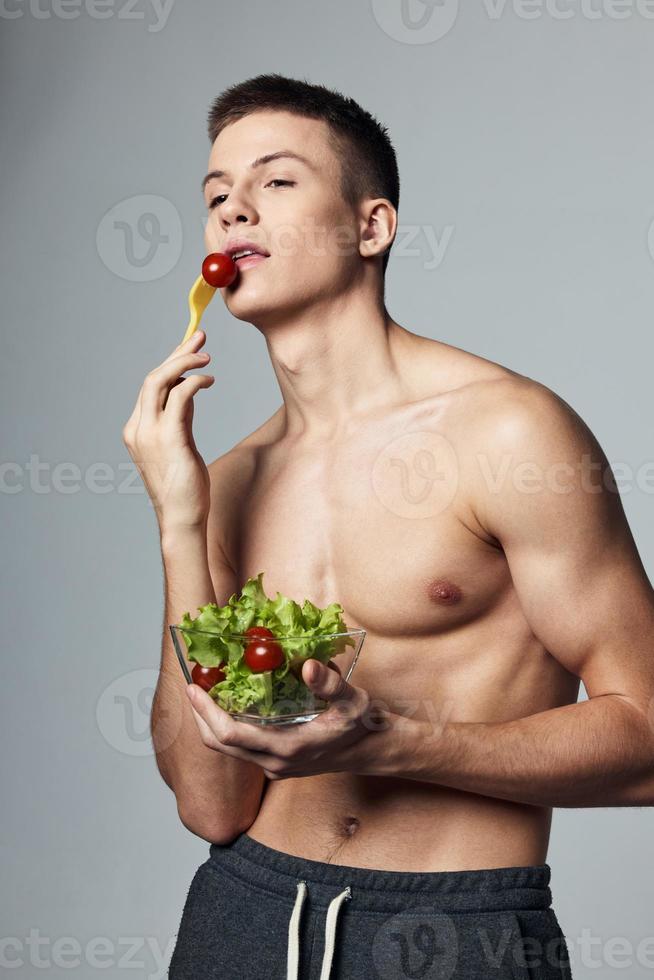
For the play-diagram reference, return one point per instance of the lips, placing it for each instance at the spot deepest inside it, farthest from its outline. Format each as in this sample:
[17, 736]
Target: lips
[243, 245]
[250, 260]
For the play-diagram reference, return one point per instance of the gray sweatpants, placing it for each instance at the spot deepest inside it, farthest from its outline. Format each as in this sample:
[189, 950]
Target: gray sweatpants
[254, 913]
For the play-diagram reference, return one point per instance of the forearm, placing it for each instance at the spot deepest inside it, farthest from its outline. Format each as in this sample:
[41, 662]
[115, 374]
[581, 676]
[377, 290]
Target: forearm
[598, 752]
[215, 792]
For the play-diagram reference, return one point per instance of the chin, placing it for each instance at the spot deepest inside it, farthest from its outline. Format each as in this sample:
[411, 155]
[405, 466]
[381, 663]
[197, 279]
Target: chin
[253, 309]
[262, 307]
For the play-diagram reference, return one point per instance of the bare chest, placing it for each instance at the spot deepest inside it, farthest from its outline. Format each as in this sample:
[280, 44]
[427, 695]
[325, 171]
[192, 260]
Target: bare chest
[375, 523]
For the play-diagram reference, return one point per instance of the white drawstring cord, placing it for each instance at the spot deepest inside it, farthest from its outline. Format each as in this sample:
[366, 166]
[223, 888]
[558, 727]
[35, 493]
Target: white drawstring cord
[294, 933]
[330, 932]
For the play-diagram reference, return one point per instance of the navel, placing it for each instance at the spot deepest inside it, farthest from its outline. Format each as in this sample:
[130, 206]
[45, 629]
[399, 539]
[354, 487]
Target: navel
[350, 825]
[443, 591]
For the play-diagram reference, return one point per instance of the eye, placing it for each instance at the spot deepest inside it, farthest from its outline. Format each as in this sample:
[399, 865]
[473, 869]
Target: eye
[215, 201]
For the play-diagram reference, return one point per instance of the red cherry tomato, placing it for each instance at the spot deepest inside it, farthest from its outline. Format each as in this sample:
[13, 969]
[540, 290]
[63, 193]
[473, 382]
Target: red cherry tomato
[263, 655]
[260, 632]
[206, 677]
[218, 269]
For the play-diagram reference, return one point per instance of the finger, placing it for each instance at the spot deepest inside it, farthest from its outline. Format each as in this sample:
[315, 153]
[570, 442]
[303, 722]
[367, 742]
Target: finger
[228, 732]
[208, 728]
[210, 739]
[325, 683]
[174, 385]
[180, 395]
[192, 345]
[158, 382]
[194, 342]
[208, 736]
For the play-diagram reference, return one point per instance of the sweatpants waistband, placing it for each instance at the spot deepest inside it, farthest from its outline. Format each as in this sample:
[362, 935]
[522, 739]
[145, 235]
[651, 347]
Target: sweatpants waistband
[371, 889]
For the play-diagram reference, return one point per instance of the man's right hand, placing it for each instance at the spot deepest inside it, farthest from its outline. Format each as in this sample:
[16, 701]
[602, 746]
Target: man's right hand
[159, 437]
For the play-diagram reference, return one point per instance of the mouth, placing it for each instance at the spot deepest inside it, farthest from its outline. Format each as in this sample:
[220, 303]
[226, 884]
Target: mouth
[247, 261]
[246, 254]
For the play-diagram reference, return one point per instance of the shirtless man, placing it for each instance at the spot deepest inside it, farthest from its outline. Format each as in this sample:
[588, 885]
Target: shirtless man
[464, 516]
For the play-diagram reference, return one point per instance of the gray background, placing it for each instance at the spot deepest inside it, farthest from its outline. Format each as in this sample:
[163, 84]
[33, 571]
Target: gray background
[525, 144]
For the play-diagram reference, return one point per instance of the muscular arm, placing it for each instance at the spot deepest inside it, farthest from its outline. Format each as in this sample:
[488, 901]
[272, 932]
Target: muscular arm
[217, 796]
[585, 593]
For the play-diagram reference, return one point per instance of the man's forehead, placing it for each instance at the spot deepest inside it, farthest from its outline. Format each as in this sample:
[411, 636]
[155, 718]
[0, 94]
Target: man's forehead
[262, 133]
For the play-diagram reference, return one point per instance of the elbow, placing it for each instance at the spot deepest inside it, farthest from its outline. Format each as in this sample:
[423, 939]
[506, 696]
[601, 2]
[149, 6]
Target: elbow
[214, 831]
[640, 794]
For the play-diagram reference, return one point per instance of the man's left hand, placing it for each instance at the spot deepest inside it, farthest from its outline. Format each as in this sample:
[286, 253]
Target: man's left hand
[352, 735]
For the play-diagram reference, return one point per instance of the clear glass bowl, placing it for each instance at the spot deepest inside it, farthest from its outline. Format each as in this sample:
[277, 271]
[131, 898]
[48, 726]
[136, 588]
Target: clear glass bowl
[283, 697]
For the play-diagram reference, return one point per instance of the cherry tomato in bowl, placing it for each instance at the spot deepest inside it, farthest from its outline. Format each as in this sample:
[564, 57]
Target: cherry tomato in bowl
[263, 654]
[206, 677]
[260, 633]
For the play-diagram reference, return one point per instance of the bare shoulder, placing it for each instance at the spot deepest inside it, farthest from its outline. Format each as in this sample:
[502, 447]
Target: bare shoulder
[510, 430]
[491, 399]
[533, 462]
[515, 411]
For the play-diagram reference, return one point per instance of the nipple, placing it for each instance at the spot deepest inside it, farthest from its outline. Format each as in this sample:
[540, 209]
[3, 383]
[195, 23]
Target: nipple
[443, 591]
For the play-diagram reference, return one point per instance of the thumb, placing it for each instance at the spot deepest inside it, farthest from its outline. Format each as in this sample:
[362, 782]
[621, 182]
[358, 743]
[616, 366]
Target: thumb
[324, 680]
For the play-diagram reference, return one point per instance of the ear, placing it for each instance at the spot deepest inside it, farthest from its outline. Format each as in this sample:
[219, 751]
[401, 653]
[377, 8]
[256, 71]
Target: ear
[379, 224]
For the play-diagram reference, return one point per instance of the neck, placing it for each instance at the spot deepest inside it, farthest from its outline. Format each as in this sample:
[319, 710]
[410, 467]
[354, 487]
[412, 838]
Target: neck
[336, 363]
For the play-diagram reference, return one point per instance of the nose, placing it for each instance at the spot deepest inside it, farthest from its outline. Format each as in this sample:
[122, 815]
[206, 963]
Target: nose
[236, 209]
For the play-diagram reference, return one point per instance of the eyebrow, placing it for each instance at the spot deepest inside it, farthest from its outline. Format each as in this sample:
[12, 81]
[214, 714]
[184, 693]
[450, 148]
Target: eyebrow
[259, 162]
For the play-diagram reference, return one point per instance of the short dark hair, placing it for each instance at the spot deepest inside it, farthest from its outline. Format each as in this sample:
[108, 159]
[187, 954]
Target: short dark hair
[368, 162]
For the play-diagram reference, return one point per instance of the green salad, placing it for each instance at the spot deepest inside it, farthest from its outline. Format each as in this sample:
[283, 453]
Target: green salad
[261, 670]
